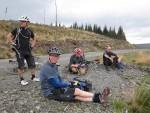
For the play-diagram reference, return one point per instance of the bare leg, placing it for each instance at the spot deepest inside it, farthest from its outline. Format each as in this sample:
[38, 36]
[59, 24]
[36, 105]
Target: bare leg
[88, 99]
[119, 59]
[33, 71]
[83, 94]
[74, 69]
[20, 73]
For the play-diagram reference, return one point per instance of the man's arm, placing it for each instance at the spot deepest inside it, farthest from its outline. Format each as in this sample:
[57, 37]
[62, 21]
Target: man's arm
[33, 39]
[57, 82]
[113, 55]
[33, 42]
[107, 56]
[10, 38]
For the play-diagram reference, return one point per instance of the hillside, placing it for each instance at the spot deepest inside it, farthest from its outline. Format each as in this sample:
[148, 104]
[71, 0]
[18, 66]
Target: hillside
[67, 39]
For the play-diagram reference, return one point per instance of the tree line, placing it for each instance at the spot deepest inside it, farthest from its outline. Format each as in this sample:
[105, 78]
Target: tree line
[110, 32]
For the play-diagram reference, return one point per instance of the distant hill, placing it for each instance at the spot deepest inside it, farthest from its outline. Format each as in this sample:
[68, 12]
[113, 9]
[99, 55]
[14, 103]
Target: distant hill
[143, 46]
[65, 38]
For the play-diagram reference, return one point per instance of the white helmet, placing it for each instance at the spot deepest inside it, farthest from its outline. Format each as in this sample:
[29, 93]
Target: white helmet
[24, 18]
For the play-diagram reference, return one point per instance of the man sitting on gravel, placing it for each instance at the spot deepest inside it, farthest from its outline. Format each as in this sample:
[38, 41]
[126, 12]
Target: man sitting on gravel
[111, 59]
[77, 64]
[54, 87]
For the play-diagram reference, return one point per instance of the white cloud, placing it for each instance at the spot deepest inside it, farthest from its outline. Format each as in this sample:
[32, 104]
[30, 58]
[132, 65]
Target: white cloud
[133, 15]
[94, 8]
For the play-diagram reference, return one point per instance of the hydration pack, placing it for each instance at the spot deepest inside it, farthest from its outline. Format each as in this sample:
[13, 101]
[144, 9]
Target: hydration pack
[82, 84]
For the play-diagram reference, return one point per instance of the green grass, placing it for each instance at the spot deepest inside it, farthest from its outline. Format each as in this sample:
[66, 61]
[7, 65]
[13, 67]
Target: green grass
[119, 106]
[141, 98]
[140, 102]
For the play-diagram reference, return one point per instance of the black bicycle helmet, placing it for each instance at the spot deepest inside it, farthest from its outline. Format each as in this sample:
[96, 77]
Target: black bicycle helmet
[54, 50]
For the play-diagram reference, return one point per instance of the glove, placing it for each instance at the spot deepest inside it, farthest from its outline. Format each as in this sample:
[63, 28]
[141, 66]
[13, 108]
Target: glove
[74, 84]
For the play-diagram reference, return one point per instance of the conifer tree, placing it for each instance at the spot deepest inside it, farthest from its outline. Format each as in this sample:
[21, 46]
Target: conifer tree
[121, 34]
[105, 31]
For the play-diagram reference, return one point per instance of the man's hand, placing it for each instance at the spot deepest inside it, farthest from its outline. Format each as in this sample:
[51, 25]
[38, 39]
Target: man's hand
[13, 44]
[33, 42]
[82, 65]
[75, 65]
[111, 59]
[74, 83]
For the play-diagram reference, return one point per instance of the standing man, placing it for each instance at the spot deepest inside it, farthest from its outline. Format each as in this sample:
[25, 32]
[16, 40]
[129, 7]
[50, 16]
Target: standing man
[23, 41]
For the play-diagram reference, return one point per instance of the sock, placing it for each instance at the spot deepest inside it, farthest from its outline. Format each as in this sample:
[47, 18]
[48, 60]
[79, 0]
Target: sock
[96, 98]
[33, 76]
[21, 78]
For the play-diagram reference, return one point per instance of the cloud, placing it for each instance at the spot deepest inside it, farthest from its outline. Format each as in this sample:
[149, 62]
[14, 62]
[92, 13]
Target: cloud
[133, 15]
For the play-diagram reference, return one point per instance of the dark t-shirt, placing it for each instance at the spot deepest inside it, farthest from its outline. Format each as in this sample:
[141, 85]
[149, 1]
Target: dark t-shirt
[110, 54]
[22, 37]
[76, 60]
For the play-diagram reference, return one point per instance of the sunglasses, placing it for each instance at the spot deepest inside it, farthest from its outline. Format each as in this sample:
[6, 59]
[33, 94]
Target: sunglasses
[23, 21]
[54, 55]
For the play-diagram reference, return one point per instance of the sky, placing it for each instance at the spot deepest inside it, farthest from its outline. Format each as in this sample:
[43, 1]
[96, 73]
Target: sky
[132, 15]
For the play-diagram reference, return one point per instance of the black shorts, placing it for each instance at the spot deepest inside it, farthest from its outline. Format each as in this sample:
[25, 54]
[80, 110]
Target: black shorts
[107, 62]
[21, 57]
[63, 94]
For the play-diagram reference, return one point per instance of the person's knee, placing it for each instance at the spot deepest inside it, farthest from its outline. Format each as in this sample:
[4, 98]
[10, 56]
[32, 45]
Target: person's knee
[20, 70]
[119, 59]
[82, 71]
[77, 91]
[74, 70]
[32, 67]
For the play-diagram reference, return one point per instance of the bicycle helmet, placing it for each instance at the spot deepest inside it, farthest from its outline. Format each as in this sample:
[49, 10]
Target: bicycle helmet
[24, 18]
[54, 50]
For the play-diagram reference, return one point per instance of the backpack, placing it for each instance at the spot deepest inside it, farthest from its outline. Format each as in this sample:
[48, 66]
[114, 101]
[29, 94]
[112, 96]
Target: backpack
[82, 84]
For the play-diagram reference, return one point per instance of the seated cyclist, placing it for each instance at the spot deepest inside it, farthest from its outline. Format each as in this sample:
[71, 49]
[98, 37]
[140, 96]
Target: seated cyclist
[111, 59]
[54, 87]
[77, 62]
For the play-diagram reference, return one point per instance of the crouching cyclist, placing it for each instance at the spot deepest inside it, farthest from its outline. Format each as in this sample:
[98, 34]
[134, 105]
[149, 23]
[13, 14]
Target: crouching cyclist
[77, 64]
[54, 87]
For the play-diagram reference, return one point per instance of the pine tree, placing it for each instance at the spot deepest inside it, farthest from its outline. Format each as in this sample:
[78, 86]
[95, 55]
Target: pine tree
[95, 30]
[90, 28]
[86, 27]
[114, 34]
[99, 30]
[105, 31]
[82, 27]
[110, 32]
[59, 25]
[75, 25]
[121, 34]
